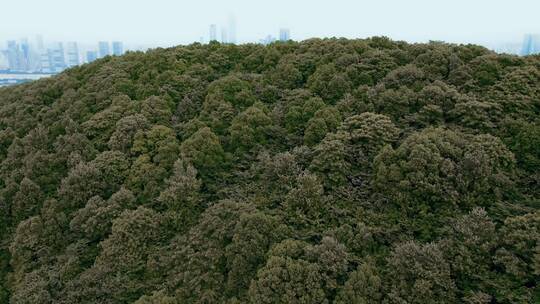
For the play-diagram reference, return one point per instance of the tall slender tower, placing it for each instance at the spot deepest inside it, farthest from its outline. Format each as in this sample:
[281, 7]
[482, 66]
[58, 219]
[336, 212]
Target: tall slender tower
[56, 57]
[232, 29]
[91, 56]
[535, 43]
[103, 47]
[531, 45]
[72, 51]
[284, 34]
[117, 48]
[26, 57]
[224, 35]
[14, 56]
[527, 45]
[213, 32]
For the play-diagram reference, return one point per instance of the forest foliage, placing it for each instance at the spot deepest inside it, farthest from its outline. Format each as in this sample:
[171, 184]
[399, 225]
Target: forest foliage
[322, 171]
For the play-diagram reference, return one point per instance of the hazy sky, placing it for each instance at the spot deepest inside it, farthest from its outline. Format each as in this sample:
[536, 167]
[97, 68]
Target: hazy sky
[167, 22]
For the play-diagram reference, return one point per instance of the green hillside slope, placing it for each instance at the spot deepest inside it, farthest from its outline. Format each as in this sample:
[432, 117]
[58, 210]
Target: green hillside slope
[325, 171]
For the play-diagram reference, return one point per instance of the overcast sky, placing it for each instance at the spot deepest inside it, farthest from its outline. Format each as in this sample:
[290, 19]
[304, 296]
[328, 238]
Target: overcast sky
[168, 22]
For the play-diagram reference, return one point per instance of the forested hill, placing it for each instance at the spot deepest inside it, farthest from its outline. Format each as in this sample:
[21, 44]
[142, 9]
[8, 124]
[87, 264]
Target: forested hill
[324, 171]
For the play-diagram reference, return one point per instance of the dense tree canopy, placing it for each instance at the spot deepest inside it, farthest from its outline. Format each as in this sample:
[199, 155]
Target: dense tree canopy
[323, 171]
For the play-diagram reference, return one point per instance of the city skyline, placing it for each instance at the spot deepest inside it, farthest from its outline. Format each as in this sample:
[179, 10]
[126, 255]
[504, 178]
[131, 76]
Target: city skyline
[53, 57]
[38, 55]
[166, 22]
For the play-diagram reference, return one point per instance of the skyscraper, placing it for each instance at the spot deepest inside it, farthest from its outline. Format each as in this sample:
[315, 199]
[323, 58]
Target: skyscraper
[224, 35]
[72, 54]
[103, 47]
[213, 32]
[25, 55]
[284, 34]
[14, 56]
[3, 60]
[91, 56]
[56, 58]
[45, 61]
[232, 29]
[531, 45]
[527, 44]
[117, 48]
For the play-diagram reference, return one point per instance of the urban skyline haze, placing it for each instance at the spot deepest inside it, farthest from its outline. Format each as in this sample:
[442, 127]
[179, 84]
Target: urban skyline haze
[169, 22]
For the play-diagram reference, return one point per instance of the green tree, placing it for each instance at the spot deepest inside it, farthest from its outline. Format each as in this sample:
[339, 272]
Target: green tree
[157, 110]
[253, 236]
[27, 201]
[158, 297]
[250, 128]
[368, 133]
[159, 143]
[329, 83]
[126, 128]
[94, 221]
[181, 197]
[285, 280]
[518, 256]
[445, 167]
[330, 160]
[204, 150]
[124, 253]
[324, 121]
[420, 274]
[364, 286]
[305, 204]
[286, 75]
[113, 167]
[145, 179]
[82, 182]
[233, 90]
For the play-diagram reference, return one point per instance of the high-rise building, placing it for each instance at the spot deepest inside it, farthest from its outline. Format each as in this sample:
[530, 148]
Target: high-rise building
[213, 32]
[531, 45]
[18, 55]
[57, 59]
[117, 48]
[26, 56]
[527, 44]
[232, 29]
[91, 56]
[103, 48]
[4, 65]
[41, 54]
[284, 34]
[13, 55]
[72, 53]
[224, 35]
[45, 61]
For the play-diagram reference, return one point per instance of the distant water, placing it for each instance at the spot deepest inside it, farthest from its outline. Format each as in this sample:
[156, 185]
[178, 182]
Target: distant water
[7, 79]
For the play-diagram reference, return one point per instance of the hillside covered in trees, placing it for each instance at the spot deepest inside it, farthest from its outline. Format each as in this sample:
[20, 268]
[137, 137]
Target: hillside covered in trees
[325, 171]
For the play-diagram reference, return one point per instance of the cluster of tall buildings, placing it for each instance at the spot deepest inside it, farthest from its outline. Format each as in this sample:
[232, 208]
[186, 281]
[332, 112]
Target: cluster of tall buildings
[24, 56]
[531, 45]
[38, 57]
[284, 35]
[20, 56]
[104, 49]
[227, 34]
